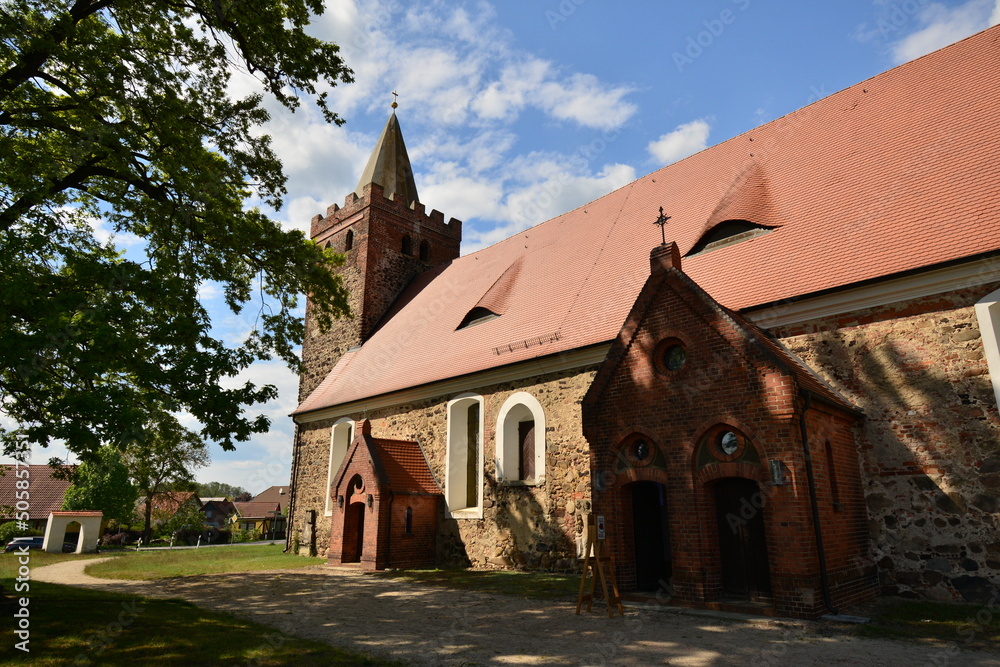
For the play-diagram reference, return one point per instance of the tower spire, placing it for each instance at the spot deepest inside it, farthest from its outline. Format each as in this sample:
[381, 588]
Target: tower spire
[389, 165]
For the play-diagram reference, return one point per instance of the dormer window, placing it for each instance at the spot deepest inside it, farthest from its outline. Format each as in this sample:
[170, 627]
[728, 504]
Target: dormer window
[477, 315]
[727, 233]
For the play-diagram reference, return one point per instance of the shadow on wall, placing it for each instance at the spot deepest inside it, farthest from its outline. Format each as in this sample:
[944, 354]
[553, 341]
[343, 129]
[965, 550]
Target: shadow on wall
[931, 448]
[526, 535]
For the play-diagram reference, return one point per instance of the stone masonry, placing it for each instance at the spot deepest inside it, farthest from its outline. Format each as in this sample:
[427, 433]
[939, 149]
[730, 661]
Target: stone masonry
[524, 526]
[930, 442]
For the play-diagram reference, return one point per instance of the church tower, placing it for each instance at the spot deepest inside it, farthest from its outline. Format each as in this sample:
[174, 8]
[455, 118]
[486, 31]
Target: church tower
[387, 240]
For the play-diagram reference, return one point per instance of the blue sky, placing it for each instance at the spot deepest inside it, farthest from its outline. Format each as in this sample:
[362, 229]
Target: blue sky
[516, 111]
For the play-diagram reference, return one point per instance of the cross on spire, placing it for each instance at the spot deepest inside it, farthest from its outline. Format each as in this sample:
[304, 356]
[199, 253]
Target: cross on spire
[661, 222]
[394, 96]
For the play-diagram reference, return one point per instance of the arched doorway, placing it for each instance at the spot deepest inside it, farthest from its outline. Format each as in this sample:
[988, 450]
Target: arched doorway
[71, 536]
[354, 522]
[354, 533]
[650, 536]
[746, 574]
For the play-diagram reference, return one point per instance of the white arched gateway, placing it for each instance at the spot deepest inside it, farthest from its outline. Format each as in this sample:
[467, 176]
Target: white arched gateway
[90, 531]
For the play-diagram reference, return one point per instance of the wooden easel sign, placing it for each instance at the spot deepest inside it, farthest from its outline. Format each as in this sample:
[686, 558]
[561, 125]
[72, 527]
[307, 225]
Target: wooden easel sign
[603, 568]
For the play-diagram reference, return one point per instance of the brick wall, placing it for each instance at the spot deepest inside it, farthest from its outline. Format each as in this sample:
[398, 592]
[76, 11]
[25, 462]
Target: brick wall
[727, 383]
[375, 269]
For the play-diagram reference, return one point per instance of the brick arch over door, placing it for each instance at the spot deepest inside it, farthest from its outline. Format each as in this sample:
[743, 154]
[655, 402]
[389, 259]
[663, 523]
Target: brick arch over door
[635, 543]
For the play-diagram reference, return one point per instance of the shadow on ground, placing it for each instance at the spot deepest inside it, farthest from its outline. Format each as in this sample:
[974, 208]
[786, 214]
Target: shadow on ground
[420, 624]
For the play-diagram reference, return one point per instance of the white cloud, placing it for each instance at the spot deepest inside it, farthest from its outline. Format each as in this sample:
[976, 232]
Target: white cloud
[585, 100]
[684, 140]
[944, 25]
[545, 188]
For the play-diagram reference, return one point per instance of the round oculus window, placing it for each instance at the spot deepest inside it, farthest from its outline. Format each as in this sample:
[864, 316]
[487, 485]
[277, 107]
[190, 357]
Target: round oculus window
[640, 450]
[729, 442]
[674, 357]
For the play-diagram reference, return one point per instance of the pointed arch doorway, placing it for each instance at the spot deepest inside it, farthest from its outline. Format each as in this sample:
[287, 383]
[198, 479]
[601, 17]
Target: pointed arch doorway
[746, 573]
[650, 536]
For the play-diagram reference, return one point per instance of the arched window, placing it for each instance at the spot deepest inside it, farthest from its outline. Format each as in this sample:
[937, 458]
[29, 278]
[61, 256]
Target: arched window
[521, 440]
[425, 251]
[340, 441]
[408, 523]
[349, 240]
[464, 464]
[407, 245]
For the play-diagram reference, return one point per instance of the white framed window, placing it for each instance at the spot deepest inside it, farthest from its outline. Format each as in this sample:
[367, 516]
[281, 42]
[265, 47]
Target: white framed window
[521, 440]
[988, 314]
[463, 491]
[341, 436]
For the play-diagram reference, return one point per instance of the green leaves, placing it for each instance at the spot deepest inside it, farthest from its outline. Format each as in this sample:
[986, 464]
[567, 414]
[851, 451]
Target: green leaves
[119, 110]
[102, 484]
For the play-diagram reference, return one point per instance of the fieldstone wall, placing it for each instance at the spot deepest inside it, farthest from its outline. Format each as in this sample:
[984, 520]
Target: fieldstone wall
[931, 440]
[522, 526]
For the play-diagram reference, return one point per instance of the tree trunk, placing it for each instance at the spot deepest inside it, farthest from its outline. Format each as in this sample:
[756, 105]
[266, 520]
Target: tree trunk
[149, 514]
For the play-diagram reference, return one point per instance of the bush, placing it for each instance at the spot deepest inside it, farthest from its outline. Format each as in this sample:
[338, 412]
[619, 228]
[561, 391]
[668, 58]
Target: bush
[246, 536]
[9, 531]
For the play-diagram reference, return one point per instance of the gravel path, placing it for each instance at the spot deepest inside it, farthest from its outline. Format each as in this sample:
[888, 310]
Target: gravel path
[428, 625]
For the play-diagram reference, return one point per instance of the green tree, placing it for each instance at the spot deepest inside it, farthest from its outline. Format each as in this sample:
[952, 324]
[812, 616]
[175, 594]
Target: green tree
[188, 516]
[218, 489]
[164, 458]
[119, 111]
[102, 483]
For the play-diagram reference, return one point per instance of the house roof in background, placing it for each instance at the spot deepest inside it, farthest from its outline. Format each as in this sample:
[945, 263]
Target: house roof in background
[170, 502]
[254, 510]
[274, 494]
[46, 491]
[894, 174]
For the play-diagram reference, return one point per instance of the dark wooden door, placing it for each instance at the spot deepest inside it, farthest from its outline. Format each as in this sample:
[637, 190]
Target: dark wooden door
[354, 533]
[651, 537]
[526, 444]
[746, 574]
[360, 544]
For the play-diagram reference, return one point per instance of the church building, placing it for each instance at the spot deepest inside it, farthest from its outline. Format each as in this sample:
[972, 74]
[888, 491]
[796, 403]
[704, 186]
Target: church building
[773, 367]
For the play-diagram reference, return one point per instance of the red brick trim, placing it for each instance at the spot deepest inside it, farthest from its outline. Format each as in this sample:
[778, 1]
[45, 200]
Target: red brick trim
[716, 471]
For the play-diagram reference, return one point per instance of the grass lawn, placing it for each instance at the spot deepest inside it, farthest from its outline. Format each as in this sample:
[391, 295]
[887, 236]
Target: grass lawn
[534, 585]
[84, 627]
[148, 565]
[970, 626]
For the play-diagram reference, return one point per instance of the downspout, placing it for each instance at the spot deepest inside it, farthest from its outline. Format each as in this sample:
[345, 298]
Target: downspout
[823, 574]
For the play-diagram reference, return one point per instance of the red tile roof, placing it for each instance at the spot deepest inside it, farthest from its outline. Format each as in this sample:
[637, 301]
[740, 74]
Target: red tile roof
[45, 492]
[169, 503]
[274, 494]
[405, 466]
[897, 173]
[252, 510]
